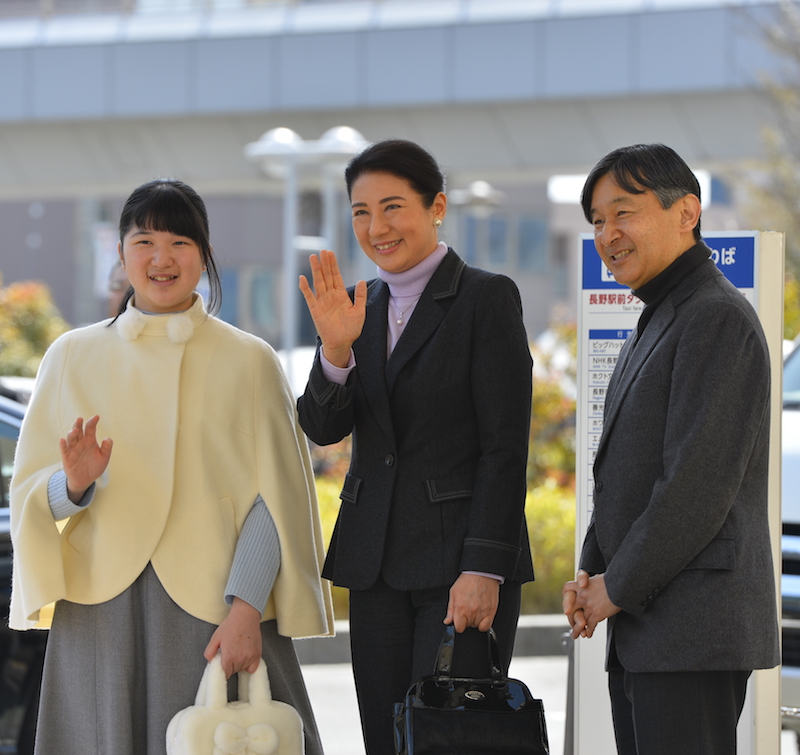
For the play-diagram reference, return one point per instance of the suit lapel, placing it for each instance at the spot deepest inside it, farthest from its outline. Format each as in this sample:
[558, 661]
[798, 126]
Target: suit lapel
[428, 314]
[622, 362]
[370, 350]
[633, 356]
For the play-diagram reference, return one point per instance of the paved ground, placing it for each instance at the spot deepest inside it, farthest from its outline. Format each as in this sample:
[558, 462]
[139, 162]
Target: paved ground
[333, 696]
[330, 686]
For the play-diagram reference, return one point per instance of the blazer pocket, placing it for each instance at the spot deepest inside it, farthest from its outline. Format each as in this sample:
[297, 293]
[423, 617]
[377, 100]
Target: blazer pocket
[350, 490]
[440, 491]
[720, 553]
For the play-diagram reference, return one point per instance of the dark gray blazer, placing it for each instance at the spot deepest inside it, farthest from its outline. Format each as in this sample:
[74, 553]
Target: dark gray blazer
[437, 482]
[680, 507]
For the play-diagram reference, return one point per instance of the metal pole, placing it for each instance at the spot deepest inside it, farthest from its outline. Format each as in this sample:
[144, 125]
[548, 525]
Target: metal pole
[290, 269]
[330, 178]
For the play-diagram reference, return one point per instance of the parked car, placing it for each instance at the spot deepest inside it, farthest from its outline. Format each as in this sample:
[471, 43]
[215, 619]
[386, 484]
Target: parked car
[790, 542]
[21, 653]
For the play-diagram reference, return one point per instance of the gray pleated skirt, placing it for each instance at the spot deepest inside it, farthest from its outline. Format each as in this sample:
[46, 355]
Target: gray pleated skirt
[117, 672]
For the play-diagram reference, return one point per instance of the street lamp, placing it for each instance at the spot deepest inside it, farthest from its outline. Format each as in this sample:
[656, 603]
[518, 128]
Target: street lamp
[282, 153]
[480, 197]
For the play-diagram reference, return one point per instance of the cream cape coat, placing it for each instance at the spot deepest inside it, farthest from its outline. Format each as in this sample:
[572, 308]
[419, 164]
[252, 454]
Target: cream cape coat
[202, 420]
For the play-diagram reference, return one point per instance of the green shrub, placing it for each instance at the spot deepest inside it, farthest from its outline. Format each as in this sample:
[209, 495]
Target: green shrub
[551, 446]
[550, 512]
[328, 489]
[791, 307]
[29, 323]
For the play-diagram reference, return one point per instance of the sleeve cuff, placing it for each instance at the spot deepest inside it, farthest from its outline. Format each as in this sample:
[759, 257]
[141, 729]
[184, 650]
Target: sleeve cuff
[500, 579]
[337, 375]
[58, 498]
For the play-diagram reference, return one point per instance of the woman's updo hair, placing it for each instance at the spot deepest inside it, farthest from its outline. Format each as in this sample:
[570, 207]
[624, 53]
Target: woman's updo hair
[166, 204]
[403, 159]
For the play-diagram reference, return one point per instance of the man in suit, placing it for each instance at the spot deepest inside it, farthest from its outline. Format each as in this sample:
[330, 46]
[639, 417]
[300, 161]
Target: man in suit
[677, 556]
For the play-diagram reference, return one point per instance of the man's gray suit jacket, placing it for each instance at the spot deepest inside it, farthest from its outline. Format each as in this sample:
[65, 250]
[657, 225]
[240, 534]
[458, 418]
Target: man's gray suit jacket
[680, 523]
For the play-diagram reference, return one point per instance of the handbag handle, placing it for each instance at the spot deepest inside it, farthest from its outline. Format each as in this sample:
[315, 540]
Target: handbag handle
[444, 658]
[213, 690]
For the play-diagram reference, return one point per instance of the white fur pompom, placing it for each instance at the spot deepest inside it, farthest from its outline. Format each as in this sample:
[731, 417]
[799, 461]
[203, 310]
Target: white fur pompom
[180, 328]
[131, 324]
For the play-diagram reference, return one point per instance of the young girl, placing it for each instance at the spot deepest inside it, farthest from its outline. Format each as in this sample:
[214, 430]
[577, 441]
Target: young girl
[194, 532]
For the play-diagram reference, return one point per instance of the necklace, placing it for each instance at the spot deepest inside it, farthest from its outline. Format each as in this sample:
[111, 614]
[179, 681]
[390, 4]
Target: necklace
[401, 312]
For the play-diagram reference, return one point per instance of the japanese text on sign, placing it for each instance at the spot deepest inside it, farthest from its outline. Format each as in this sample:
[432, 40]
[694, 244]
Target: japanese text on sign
[724, 256]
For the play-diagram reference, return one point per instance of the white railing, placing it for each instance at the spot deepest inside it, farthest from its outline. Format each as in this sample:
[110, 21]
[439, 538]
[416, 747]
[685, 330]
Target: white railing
[48, 8]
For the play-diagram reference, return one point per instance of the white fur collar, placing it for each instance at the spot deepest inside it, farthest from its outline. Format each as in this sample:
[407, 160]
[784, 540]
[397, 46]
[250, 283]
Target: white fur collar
[178, 327]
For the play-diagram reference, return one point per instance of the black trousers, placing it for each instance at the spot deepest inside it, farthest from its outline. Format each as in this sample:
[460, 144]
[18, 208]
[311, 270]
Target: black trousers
[686, 712]
[394, 638]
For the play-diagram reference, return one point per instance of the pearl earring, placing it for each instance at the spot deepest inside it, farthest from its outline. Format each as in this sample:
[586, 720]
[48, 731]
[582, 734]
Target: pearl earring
[437, 222]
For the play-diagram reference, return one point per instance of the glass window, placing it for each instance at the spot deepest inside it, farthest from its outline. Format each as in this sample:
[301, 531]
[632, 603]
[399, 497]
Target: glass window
[469, 244]
[349, 242]
[230, 296]
[498, 240]
[720, 192]
[532, 252]
[263, 304]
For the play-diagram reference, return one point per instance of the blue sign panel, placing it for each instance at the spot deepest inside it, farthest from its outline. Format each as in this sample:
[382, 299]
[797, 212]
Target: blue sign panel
[736, 257]
[595, 273]
[733, 255]
[622, 333]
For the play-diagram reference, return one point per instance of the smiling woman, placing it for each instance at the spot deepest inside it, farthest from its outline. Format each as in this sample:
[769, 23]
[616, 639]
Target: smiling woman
[428, 367]
[393, 226]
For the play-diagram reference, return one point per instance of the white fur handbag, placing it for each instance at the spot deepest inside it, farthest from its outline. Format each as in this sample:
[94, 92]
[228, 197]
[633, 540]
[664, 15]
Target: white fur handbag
[254, 725]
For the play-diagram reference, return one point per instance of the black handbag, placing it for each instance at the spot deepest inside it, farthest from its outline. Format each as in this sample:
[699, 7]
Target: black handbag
[447, 715]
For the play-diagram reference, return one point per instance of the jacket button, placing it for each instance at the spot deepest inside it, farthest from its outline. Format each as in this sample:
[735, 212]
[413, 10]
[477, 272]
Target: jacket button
[598, 486]
[389, 460]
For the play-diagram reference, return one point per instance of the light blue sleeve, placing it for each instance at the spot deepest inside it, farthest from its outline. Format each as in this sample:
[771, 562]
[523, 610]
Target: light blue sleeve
[58, 498]
[256, 560]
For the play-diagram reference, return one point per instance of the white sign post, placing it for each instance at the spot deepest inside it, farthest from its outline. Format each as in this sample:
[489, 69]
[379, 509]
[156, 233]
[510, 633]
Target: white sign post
[607, 312]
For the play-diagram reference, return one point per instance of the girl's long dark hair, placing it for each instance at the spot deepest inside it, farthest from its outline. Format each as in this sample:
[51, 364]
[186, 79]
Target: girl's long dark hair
[167, 204]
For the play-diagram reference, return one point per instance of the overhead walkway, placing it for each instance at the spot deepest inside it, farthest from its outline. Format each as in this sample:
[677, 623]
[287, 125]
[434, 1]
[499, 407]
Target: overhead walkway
[504, 90]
